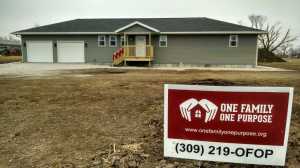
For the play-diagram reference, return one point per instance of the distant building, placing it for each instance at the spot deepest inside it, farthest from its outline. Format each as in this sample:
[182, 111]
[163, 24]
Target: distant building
[10, 47]
[10, 43]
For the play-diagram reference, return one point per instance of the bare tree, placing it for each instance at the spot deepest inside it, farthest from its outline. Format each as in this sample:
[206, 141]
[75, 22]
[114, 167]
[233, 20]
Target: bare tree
[257, 21]
[285, 49]
[275, 36]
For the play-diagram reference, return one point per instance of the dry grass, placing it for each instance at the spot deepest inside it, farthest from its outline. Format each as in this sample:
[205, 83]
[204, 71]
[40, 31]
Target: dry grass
[8, 59]
[70, 119]
[293, 64]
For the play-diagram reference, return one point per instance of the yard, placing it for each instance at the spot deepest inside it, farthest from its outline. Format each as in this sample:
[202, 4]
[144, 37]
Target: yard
[291, 64]
[8, 59]
[110, 118]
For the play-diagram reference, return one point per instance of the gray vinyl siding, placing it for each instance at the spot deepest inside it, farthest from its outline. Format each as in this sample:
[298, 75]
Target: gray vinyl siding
[23, 50]
[206, 49]
[93, 53]
[185, 49]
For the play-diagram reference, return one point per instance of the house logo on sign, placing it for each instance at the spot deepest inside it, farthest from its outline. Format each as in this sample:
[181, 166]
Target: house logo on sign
[209, 107]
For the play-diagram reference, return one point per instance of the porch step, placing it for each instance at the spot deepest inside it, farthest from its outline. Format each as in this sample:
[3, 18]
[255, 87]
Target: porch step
[127, 53]
[118, 56]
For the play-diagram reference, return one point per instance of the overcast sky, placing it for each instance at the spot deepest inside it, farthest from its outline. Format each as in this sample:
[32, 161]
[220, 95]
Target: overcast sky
[21, 14]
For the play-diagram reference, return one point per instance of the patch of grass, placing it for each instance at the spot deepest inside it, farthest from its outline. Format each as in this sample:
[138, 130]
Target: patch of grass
[8, 59]
[292, 64]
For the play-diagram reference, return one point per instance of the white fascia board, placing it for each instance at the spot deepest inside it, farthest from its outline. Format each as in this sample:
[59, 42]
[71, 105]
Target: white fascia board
[216, 32]
[137, 33]
[136, 23]
[61, 33]
[175, 33]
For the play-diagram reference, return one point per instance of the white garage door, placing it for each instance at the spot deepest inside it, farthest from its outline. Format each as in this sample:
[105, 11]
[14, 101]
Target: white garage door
[39, 51]
[70, 51]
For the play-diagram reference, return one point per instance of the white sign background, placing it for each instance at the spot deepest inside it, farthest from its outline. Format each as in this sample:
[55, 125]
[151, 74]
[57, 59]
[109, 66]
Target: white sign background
[279, 152]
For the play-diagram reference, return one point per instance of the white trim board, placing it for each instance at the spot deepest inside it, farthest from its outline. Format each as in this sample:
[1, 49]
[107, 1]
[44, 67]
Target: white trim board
[63, 33]
[270, 89]
[175, 33]
[136, 33]
[137, 23]
[216, 32]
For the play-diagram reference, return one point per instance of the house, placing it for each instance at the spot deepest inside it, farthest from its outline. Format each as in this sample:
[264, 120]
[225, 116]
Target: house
[10, 47]
[9, 43]
[195, 41]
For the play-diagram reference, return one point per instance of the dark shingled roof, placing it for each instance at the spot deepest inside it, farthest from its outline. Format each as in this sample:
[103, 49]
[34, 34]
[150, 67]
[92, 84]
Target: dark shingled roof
[197, 24]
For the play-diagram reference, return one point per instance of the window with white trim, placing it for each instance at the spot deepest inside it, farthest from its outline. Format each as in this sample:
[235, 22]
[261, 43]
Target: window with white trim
[122, 39]
[113, 41]
[233, 41]
[163, 41]
[101, 41]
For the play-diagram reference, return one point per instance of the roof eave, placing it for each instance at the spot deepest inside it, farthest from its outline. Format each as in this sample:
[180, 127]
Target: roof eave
[62, 33]
[217, 32]
[175, 33]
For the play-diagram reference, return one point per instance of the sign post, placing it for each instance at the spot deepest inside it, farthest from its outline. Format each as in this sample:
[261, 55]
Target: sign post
[227, 123]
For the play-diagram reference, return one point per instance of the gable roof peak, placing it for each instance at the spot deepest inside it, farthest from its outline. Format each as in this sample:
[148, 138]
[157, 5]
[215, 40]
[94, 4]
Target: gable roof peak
[137, 23]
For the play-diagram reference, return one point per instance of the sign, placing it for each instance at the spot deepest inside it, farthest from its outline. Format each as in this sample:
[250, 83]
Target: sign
[226, 123]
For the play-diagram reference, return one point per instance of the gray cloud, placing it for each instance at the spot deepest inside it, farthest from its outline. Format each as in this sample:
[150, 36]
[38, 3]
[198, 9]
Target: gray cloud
[21, 14]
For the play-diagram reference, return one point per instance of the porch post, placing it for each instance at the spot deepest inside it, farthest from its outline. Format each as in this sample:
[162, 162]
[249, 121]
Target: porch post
[149, 38]
[148, 48]
[126, 36]
[125, 44]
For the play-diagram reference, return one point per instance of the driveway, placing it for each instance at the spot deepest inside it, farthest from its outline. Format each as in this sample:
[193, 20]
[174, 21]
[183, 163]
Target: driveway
[41, 69]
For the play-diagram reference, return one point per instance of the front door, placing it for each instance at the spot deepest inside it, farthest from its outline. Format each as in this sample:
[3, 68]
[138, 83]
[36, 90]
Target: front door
[140, 46]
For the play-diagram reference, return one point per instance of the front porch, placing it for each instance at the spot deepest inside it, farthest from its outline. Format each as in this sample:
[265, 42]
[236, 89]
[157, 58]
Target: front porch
[134, 47]
[138, 53]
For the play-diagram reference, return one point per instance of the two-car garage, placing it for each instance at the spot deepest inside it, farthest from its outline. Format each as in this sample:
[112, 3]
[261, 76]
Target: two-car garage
[45, 51]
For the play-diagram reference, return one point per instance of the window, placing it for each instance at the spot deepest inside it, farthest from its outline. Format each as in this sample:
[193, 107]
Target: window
[101, 41]
[198, 114]
[233, 41]
[122, 39]
[113, 41]
[163, 41]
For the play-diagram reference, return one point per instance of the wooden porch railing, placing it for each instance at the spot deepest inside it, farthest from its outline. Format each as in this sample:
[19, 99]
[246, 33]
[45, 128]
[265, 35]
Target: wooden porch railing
[118, 56]
[130, 51]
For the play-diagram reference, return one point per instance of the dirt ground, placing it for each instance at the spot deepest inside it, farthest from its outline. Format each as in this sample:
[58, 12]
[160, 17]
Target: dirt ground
[109, 118]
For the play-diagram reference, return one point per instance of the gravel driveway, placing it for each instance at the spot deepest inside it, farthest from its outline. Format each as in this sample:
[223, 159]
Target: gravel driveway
[41, 69]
